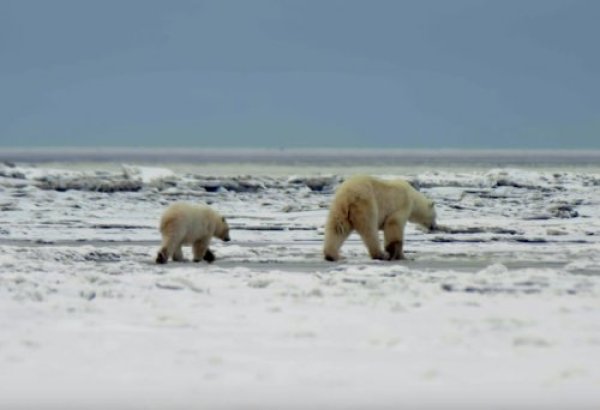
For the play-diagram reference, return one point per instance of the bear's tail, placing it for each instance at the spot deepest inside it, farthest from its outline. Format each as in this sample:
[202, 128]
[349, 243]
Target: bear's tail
[339, 222]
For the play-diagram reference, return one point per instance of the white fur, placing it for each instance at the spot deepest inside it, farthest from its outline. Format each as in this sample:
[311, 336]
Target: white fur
[187, 224]
[367, 205]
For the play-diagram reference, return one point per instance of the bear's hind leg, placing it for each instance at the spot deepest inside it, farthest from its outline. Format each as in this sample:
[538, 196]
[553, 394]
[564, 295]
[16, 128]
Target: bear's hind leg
[332, 244]
[394, 249]
[200, 248]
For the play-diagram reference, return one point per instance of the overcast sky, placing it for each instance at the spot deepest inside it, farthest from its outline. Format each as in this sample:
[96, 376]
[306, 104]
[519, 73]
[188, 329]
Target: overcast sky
[308, 73]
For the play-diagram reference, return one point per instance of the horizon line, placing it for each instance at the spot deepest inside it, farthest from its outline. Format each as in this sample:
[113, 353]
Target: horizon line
[328, 149]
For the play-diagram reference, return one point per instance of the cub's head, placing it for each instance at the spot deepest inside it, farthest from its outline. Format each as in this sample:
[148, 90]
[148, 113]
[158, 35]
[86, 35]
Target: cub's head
[223, 230]
[425, 215]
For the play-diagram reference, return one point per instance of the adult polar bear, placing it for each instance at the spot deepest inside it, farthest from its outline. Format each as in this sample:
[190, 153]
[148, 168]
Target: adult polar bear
[367, 205]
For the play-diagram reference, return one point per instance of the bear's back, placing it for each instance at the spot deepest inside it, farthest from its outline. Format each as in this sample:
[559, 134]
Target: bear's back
[185, 213]
[370, 185]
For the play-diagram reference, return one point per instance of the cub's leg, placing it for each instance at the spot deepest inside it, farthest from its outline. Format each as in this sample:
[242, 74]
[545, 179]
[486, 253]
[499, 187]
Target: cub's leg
[172, 237]
[167, 251]
[393, 234]
[200, 248]
[178, 254]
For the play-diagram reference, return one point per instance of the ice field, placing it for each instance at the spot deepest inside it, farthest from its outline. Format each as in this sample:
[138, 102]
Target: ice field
[499, 309]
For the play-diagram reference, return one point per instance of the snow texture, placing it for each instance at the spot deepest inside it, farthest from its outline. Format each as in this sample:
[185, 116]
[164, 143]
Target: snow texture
[499, 308]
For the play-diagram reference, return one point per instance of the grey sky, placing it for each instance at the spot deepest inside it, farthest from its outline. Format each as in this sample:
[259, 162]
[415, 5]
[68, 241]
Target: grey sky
[402, 74]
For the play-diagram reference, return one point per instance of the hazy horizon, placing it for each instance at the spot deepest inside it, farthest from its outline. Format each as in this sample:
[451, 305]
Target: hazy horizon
[324, 148]
[232, 158]
[463, 74]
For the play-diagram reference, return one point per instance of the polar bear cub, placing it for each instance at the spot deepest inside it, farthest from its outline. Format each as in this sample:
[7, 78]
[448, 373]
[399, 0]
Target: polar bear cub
[187, 224]
[367, 205]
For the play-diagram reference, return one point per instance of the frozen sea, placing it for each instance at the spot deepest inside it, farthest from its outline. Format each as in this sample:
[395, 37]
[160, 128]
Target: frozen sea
[500, 309]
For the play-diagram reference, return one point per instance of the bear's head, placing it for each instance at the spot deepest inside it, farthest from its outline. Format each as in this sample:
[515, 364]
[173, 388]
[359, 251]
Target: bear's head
[223, 230]
[425, 214]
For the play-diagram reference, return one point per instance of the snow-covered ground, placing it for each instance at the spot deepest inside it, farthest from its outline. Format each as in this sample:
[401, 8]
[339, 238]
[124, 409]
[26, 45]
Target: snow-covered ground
[501, 308]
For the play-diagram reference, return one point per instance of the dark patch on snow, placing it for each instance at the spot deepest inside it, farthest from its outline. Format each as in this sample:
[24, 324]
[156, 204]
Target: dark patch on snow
[44, 242]
[539, 217]
[563, 211]
[444, 239]
[316, 184]
[238, 185]
[493, 195]
[505, 182]
[94, 184]
[102, 256]
[11, 173]
[118, 226]
[524, 239]
[592, 181]
[10, 206]
[476, 229]
[490, 289]
[88, 295]
[169, 286]
[457, 207]
[211, 186]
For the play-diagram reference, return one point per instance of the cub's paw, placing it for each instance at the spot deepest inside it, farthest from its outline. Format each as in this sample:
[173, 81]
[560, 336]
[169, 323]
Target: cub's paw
[209, 256]
[330, 258]
[161, 258]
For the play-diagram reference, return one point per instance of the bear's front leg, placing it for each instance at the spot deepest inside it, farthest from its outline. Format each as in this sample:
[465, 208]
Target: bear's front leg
[393, 234]
[394, 249]
[200, 249]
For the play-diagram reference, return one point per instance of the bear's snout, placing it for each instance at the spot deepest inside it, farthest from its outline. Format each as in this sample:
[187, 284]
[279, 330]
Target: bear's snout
[226, 239]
